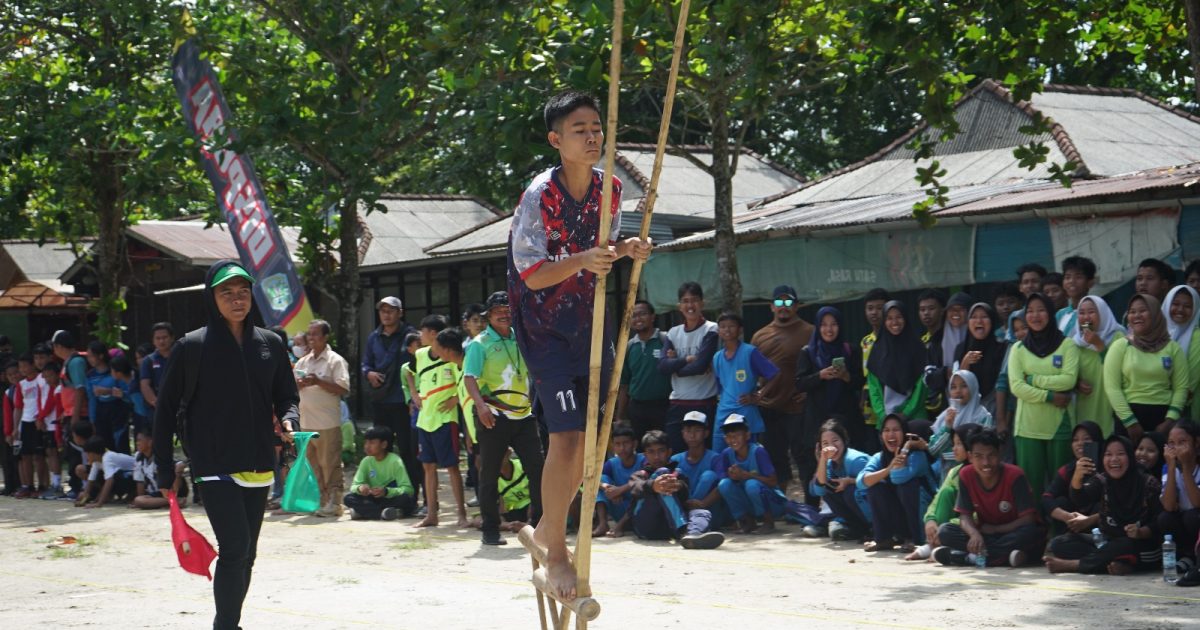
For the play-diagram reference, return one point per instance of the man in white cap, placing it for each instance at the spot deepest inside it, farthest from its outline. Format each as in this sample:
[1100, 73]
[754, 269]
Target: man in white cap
[382, 359]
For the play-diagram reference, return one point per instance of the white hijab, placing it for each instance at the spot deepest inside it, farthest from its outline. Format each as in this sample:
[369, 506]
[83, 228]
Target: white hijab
[972, 412]
[1108, 323]
[1182, 334]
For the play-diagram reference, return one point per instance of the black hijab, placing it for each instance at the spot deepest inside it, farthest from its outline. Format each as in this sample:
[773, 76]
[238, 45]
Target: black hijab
[1125, 498]
[1042, 343]
[987, 370]
[897, 360]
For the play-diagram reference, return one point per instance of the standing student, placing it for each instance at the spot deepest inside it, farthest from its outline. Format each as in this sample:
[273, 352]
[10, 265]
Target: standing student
[782, 341]
[26, 438]
[1145, 372]
[74, 398]
[244, 381]
[645, 392]
[982, 352]
[1005, 401]
[496, 378]
[1181, 488]
[687, 357]
[931, 311]
[836, 481]
[49, 421]
[1095, 330]
[1029, 278]
[1052, 288]
[1008, 300]
[1042, 373]
[873, 305]
[553, 262]
[827, 372]
[150, 371]
[1154, 277]
[740, 370]
[323, 378]
[1079, 275]
[383, 358]
[11, 460]
[899, 485]
[1191, 275]
[896, 366]
[106, 404]
[1128, 504]
[944, 352]
[1182, 310]
[437, 421]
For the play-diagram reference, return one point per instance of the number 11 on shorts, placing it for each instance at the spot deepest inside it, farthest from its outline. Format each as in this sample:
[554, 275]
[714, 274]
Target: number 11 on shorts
[566, 397]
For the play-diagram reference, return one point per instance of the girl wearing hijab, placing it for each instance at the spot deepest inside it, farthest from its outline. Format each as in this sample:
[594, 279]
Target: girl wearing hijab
[899, 485]
[1128, 508]
[1063, 513]
[965, 408]
[1146, 373]
[943, 346]
[1095, 330]
[1182, 310]
[1005, 402]
[896, 366]
[828, 370]
[1042, 371]
[982, 353]
[1149, 452]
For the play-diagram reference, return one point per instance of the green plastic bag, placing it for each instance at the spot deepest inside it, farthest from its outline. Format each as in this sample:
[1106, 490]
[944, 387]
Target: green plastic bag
[301, 492]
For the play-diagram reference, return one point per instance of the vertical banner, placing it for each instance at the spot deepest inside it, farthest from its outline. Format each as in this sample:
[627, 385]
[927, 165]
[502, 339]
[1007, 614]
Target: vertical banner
[278, 290]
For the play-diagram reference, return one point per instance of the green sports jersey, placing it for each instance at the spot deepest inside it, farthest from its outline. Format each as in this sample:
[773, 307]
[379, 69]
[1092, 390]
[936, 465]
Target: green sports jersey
[500, 371]
[389, 473]
[437, 382]
[515, 491]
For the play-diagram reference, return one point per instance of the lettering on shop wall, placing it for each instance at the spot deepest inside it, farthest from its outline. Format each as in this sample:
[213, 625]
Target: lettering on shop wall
[856, 276]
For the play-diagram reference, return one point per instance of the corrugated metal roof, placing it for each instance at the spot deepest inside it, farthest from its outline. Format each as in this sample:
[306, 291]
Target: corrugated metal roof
[41, 263]
[491, 237]
[413, 223]
[190, 242]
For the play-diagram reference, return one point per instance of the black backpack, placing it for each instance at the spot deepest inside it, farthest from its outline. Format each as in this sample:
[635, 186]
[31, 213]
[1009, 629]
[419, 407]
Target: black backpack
[191, 374]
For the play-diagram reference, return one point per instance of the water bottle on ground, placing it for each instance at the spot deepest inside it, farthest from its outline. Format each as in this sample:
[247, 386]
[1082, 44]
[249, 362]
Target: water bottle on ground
[1098, 538]
[1170, 575]
[981, 559]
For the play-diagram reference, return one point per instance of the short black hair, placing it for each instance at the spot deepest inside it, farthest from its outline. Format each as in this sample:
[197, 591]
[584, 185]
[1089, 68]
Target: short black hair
[877, 294]
[623, 430]
[731, 316]
[1031, 268]
[1163, 270]
[562, 104]
[52, 366]
[98, 347]
[94, 445]
[986, 437]
[1053, 277]
[835, 426]
[648, 305]
[322, 324]
[145, 432]
[121, 365]
[436, 323]
[11, 365]
[83, 429]
[145, 348]
[473, 309]
[966, 431]
[42, 348]
[411, 338]
[379, 433]
[25, 357]
[1009, 289]
[737, 426]
[451, 339]
[1193, 267]
[163, 326]
[933, 294]
[1083, 265]
[691, 288]
[654, 436]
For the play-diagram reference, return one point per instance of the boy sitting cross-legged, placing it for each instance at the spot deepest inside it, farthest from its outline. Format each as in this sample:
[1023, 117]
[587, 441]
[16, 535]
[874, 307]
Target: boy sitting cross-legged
[613, 499]
[659, 494]
[748, 485]
[381, 487]
[696, 464]
[147, 496]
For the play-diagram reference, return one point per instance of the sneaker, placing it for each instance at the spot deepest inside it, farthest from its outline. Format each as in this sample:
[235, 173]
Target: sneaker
[707, 540]
[839, 531]
[1189, 579]
[473, 502]
[1016, 558]
[814, 531]
[49, 494]
[422, 511]
[331, 509]
[71, 496]
[950, 557]
[494, 539]
[23, 493]
[1184, 565]
[388, 514]
[355, 516]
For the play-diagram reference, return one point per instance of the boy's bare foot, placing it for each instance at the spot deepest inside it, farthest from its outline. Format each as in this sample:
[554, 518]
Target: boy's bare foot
[428, 521]
[561, 578]
[1057, 565]
[600, 529]
[616, 532]
[477, 523]
[1119, 568]
[463, 523]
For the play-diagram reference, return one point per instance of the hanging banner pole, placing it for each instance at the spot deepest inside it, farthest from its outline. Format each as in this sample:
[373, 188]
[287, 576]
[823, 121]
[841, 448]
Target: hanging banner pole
[260, 245]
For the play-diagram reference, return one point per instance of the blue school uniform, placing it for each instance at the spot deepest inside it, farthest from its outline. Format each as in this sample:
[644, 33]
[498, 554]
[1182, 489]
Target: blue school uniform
[616, 474]
[736, 377]
[853, 462]
[750, 496]
[702, 479]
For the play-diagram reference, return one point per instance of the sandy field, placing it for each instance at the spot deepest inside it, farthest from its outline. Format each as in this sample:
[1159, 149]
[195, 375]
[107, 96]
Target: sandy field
[324, 573]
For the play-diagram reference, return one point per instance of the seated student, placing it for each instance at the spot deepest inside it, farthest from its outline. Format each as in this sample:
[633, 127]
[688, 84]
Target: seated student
[80, 432]
[1149, 453]
[895, 480]
[659, 494]
[1181, 489]
[748, 482]
[835, 480]
[381, 488]
[514, 494]
[1065, 514]
[996, 509]
[740, 370]
[696, 465]
[1128, 507]
[115, 468]
[1182, 312]
[613, 499]
[941, 508]
[147, 495]
[965, 407]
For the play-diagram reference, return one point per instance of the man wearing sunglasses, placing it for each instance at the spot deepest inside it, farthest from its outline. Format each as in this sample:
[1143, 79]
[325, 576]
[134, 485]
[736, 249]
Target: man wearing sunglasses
[782, 341]
[497, 379]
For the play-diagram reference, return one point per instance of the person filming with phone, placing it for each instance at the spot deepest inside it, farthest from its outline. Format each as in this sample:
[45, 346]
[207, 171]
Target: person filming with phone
[829, 372]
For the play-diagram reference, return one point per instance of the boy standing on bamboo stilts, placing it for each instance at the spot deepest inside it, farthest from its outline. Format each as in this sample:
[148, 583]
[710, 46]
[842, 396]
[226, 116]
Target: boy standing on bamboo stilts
[553, 262]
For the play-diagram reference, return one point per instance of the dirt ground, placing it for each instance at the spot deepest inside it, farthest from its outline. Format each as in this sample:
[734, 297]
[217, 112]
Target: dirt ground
[321, 573]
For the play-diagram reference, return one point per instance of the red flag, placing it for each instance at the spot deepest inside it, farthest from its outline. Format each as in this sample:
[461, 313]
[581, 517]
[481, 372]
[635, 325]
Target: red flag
[194, 551]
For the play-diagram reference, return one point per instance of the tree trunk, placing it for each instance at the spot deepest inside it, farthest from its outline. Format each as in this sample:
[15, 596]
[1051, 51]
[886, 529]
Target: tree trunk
[728, 279]
[1193, 33]
[110, 247]
[346, 286]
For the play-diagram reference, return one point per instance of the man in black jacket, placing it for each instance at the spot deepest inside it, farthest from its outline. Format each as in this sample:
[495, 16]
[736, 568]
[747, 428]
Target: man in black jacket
[242, 380]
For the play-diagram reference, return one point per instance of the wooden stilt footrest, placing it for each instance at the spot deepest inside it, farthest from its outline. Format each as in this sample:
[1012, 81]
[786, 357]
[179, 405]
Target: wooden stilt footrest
[586, 608]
